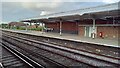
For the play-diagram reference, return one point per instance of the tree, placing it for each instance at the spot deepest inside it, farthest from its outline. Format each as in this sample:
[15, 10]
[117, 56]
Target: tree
[4, 25]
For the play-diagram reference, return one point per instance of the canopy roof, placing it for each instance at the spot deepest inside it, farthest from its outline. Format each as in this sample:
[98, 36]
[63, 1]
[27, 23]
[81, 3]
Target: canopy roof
[101, 15]
[105, 12]
[93, 15]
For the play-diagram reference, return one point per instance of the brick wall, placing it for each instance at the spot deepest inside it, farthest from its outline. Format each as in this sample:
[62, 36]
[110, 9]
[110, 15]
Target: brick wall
[108, 31]
[71, 26]
[67, 27]
[81, 31]
[52, 25]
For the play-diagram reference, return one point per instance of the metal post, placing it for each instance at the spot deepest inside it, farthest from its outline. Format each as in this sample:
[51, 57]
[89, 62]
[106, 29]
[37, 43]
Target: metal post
[14, 27]
[36, 24]
[60, 27]
[30, 26]
[113, 21]
[93, 33]
[42, 28]
[26, 27]
[30, 23]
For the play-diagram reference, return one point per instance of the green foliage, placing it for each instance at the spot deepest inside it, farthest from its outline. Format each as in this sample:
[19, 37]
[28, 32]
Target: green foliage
[21, 28]
[4, 26]
[18, 27]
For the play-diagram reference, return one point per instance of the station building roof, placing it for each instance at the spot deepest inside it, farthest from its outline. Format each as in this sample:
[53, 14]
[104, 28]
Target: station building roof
[99, 12]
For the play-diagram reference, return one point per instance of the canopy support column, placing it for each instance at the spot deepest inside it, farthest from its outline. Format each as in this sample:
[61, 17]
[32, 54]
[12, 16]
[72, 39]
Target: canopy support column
[30, 23]
[30, 26]
[26, 26]
[60, 27]
[42, 27]
[36, 25]
[93, 31]
[113, 21]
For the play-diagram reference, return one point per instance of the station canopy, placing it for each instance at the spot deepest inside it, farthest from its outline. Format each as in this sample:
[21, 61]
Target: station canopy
[104, 14]
[99, 12]
[94, 15]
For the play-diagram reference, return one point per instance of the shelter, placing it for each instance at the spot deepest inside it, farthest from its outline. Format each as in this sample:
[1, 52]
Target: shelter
[83, 23]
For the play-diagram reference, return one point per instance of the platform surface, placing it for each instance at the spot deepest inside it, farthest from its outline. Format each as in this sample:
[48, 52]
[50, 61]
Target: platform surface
[105, 42]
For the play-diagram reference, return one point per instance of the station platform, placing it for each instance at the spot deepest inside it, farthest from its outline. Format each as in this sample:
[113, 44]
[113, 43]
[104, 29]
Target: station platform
[73, 37]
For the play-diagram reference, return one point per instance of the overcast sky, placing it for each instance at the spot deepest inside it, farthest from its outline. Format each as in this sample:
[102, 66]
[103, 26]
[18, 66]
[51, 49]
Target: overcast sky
[16, 10]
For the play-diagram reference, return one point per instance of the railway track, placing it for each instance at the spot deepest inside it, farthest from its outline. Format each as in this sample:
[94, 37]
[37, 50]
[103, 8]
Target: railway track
[37, 58]
[58, 58]
[12, 59]
[110, 52]
[91, 61]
